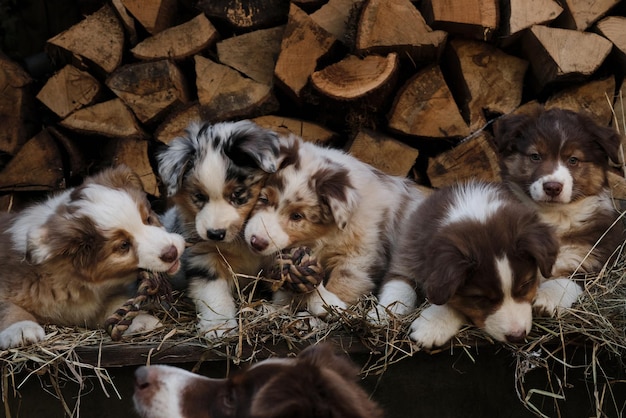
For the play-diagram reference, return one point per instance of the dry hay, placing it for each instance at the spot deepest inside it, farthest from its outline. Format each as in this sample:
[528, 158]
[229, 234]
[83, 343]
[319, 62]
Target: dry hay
[598, 321]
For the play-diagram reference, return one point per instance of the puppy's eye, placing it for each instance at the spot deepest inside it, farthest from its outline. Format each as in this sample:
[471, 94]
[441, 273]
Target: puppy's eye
[239, 197]
[124, 246]
[296, 216]
[152, 220]
[262, 200]
[572, 161]
[535, 157]
[199, 198]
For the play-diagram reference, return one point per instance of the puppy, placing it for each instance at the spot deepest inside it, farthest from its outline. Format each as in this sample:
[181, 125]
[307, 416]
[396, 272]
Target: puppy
[72, 259]
[346, 211]
[476, 254]
[214, 175]
[556, 161]
[318, 383]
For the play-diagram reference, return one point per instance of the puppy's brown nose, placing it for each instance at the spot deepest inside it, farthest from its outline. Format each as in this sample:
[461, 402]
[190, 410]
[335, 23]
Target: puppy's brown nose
[142, 378]
[170, 255]
[552, 188]
[258, 243]
[517, 337]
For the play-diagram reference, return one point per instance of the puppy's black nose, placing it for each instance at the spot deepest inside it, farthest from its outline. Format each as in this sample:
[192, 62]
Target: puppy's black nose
[516, 338]
[552, 188]
[170, 255]
[258, 243]
[216, 234]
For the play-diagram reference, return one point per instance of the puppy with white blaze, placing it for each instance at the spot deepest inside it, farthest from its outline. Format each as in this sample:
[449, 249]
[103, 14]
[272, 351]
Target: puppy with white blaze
[557, 163]
[72, 260]
[346, 211]
[476, 254]
[213, 176]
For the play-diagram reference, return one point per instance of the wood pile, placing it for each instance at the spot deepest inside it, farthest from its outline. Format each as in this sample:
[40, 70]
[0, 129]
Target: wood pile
[409, 86]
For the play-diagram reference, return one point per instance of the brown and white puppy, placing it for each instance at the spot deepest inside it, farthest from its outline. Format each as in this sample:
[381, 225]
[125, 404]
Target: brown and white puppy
[475, 253]
[556, 161]
[214, 175]
[345, 210]
[72, 259]
[317, 383]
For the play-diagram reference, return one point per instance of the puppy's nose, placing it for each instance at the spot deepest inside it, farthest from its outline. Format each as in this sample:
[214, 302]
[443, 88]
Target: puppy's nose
[216, 234]
[170, 255]
[142, 377]
[552, 188]
[516, 337]
[258, 243]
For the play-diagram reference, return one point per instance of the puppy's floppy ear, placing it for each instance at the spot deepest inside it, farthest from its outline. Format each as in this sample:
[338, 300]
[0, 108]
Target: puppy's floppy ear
[538, 240]
[607, 138]
[177, 159]
[333, 185]
[446, 272]
[507, 129]
[249, 145]
[76, 238]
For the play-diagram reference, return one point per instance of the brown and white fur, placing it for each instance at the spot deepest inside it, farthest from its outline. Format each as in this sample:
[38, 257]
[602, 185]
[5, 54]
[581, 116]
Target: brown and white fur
[214, 175]
[345, 210]
[317, 383]
[476, 254]
[72, 259]
[556, 161]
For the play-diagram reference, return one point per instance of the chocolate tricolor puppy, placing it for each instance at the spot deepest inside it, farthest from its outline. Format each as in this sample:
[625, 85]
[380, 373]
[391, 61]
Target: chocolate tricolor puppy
[557, 162]
[317, 383]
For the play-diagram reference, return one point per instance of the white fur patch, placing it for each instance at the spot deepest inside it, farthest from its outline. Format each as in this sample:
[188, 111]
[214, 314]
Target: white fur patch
[555, 295]
[161, 398]
[143, 323]
[477, 201]
[322, 297]
[21, 333]
[267, 225]
[560, 175]
[512, 318]
[436, 325]
[215, 306]
[398, 297]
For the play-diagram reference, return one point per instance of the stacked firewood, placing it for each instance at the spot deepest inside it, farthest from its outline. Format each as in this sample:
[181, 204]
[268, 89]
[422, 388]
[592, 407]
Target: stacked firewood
[411, 87]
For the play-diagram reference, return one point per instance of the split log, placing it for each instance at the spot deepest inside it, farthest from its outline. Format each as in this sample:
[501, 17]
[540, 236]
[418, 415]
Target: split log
[383, 152]
[134, 153]
[294, 66]
[335, 17]
[474, 18]
[16, 106]
[354, 78]
[523, 14]
[246, 14]
[474, 158]
[111, 119]
[178, 42]
[614, 29]
[68, 90]
[127, 21]
[562, 54]
[487, 81]
[594, 97]
[38, 166]
[176, 123]
[382, 29]
[226, 94]
[580, 14]
[153, 15]
[149, 89]
[424, 107]
[76, 163]
[98, 39]
[306, 130]
[253, 54]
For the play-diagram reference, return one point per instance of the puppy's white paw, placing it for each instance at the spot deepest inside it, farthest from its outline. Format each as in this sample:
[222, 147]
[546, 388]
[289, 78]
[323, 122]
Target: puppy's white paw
[555, 295]
[20, 334]
[319, 301]
[213, 329]
[143, 323]
[397, 298]
[435, 326]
